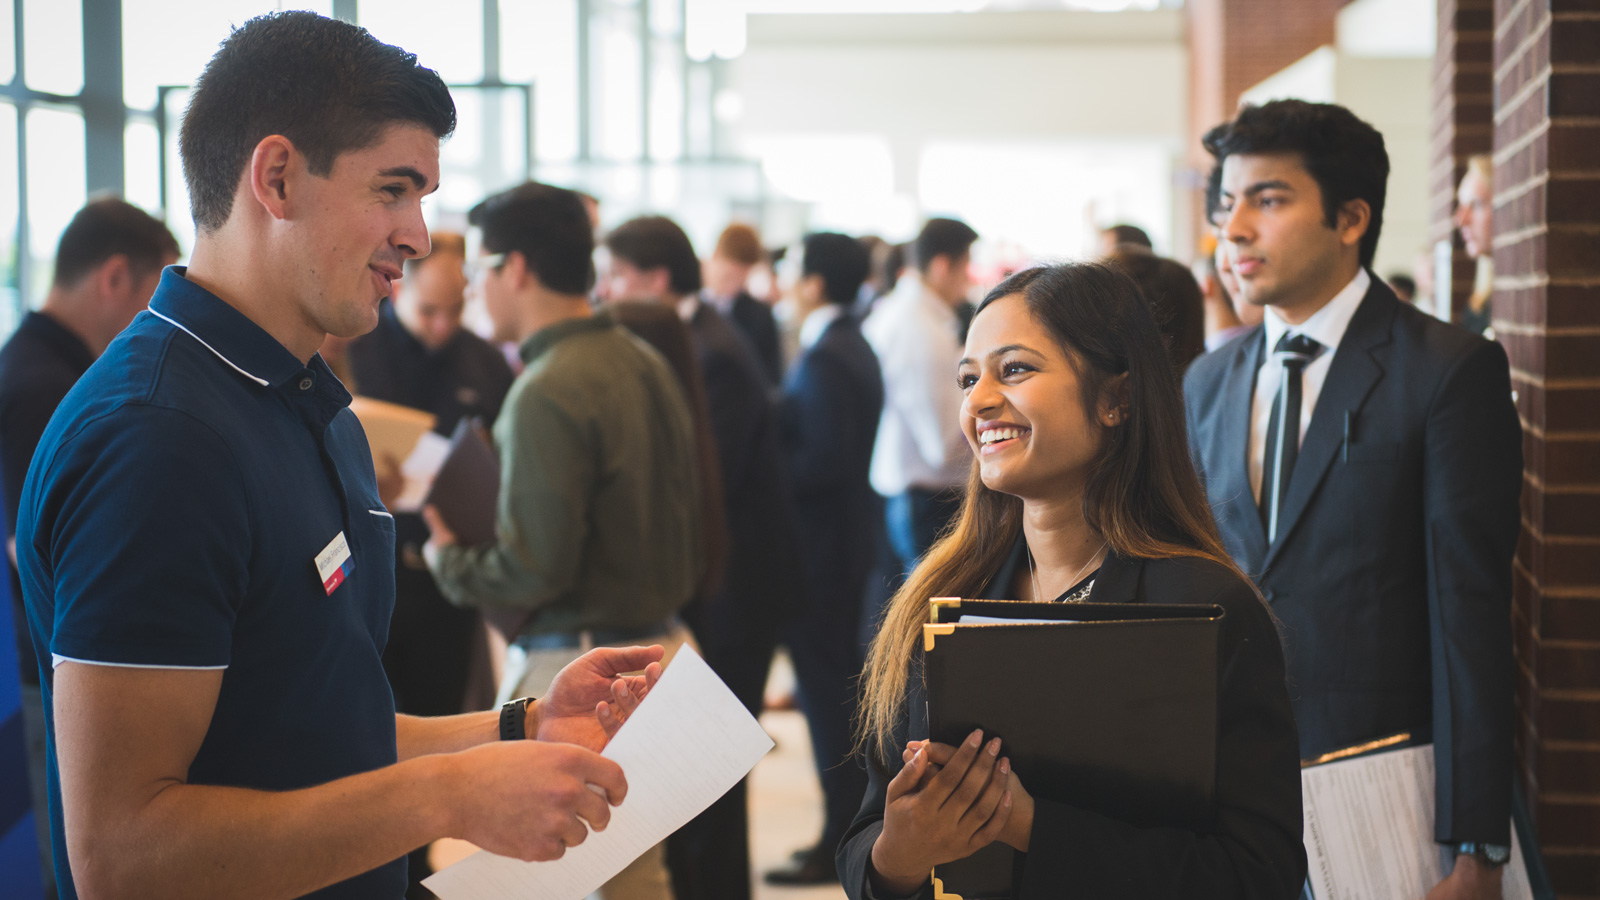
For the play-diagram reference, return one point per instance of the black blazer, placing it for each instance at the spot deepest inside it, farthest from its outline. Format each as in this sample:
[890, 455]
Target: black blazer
[760, 586]
[756, 323]
[832, 399]
[1392, 569]
[1255, 849]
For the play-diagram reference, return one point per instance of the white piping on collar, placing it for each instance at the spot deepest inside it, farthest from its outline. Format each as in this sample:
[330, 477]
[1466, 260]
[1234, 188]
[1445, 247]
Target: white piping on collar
[231, 363]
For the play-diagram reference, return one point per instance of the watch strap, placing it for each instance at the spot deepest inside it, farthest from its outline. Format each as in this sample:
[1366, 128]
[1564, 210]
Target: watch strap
[1489, 854]
[513, 719]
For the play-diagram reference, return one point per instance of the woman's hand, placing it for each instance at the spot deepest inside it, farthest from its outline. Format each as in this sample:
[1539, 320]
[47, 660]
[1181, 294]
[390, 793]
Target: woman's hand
[934, 817]
[1019, 827]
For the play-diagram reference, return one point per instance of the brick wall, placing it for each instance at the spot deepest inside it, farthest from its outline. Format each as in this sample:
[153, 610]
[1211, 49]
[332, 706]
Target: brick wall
[1546, 141]
[1236, 44]
[1462, 118]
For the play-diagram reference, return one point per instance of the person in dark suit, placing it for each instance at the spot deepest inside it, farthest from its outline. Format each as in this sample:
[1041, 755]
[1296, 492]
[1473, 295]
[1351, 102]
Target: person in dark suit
[727, 274]
[1082, 490]
[739, 624]
[1381, 524]
[831, 402]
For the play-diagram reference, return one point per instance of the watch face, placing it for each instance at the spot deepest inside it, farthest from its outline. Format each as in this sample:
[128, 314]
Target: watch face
[1496, 854]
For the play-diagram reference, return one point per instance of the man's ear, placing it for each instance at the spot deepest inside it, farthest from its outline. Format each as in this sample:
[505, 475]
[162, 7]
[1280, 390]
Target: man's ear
[516, 269]
[1353, 220]
[812, 289]
[114, 278]
[660, 281]
[267, 177]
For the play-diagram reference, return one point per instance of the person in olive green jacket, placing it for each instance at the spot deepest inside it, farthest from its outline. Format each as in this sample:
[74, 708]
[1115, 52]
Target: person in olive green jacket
[598, 533]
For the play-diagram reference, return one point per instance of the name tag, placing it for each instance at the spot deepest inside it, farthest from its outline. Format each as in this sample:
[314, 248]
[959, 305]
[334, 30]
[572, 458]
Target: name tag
[334, 563]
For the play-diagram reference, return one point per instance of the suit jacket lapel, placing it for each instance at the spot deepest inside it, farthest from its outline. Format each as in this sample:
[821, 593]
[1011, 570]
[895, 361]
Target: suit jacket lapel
[1118, 581]
[1355, 370]
[1233, 479]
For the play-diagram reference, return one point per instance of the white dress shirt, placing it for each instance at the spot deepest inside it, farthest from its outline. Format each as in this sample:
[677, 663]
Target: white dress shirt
[1326, 327]
[816, 322]
[915, 335]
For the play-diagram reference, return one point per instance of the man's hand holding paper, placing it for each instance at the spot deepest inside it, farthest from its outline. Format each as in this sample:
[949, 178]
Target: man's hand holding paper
[681, 750]
[591, 698]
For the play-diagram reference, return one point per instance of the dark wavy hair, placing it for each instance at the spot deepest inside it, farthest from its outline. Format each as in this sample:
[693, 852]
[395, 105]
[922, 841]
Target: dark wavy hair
[1343, 154]
[1141, 494]
[655, 242]
[328, 86]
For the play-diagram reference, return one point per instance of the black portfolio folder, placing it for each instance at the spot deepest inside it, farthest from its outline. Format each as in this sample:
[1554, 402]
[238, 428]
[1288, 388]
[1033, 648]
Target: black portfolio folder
[1110, 708]
[466, 489]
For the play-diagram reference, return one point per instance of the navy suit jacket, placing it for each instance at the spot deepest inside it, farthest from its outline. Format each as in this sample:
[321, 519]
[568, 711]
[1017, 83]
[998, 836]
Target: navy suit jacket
[760, 585]
[832, 399]
[1391, 574]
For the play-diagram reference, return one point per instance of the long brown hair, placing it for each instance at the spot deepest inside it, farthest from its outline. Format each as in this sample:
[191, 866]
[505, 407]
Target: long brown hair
[1141, 493]
[660, 327]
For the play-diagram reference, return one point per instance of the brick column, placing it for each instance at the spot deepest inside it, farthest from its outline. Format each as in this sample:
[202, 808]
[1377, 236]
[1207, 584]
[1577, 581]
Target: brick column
[1463, 112]
[1236, 44]
[1547, 314]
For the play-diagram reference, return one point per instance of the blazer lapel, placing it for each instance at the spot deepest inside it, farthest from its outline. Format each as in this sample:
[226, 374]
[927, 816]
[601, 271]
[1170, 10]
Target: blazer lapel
[1355, 370]
[1118, 581]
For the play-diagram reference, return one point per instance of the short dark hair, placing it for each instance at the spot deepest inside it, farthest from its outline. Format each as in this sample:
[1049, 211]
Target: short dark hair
[105, 228]
[328, 86]
[1175, 300]
[549, 226]
[1130, 234]
[654, 242]
[941, 237]
[1342, 153]
[842, 262]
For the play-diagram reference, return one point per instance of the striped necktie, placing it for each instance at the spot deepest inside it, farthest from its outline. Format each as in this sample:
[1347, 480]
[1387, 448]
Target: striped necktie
[1293, 353]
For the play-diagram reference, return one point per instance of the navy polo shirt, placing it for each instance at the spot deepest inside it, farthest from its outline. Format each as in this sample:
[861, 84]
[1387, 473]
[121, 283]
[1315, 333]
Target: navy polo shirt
[172, 518]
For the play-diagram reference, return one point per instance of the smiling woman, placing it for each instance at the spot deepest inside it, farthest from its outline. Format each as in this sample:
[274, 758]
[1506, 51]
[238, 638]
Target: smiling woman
[1081, 488]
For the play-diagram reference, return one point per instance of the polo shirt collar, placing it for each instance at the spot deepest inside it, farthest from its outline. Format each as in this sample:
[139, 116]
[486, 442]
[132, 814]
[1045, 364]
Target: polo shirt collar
[240, 343]
[550, 335]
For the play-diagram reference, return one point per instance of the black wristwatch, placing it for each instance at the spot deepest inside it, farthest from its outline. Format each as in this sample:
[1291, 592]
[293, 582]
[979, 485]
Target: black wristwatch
[1488, 854]
[513, 719]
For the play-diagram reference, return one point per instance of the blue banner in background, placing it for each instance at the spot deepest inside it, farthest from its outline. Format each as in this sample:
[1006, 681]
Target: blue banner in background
[19, 847]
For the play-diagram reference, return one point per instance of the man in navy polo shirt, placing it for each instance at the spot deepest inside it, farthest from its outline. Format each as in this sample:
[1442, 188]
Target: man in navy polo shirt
[207, 567]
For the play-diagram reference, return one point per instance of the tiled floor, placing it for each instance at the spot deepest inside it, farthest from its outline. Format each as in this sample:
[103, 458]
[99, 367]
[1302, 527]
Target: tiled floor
[785, 806]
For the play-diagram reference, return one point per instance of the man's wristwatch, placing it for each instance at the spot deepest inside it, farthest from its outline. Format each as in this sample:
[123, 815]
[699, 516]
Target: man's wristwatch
[1488, 854]
[513, 719]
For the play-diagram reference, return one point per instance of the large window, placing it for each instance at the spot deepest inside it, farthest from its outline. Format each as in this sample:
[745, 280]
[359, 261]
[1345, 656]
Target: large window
[602, 95]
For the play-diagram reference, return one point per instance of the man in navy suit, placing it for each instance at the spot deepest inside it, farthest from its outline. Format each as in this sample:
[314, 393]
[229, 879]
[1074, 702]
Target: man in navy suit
[1364, 461]
[832, 399]
[738, 626]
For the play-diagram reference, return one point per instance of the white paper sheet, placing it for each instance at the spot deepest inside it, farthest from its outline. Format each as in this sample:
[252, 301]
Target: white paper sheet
[1369, 829]
[969, 619]
[687, 744]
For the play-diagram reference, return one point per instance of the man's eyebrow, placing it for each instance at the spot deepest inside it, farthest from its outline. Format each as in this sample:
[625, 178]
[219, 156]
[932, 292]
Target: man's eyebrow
[417, 178]
[1276, 184]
